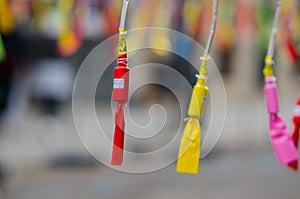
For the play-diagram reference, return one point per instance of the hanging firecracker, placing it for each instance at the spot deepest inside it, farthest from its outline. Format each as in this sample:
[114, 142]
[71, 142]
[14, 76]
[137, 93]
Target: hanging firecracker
[120, 91]
[281, 140]
[189, 150]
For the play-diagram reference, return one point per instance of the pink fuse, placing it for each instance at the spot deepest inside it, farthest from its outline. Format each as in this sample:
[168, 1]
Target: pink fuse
[271, 96]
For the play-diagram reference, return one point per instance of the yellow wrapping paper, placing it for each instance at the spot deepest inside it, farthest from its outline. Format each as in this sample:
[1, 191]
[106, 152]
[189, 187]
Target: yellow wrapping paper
[189, 150]
[122, 48]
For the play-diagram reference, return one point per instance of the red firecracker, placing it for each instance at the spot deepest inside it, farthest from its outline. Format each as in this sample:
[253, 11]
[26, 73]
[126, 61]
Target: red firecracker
[120, 95]
[296, 131]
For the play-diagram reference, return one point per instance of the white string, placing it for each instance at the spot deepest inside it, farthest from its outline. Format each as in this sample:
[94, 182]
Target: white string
[204, 58]
[274, 29]
[122, 61]
[123, 15]
[271, 62]
[186, 119]
[213, 27]
[200, 77]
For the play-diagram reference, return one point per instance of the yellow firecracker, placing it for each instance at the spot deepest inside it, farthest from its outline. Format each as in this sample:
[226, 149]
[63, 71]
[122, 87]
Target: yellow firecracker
[189, 150]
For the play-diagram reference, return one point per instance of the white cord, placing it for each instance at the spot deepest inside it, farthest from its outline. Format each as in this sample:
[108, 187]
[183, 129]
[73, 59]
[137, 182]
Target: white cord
[123, 15]
[212, 27]
[274, 29]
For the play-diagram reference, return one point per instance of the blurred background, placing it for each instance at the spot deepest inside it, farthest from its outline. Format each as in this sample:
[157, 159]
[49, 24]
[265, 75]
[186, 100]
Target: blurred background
[44, 42]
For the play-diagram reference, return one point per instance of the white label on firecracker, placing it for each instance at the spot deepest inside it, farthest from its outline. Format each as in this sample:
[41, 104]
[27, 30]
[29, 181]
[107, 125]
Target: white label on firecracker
[297, 111]
[119, 83]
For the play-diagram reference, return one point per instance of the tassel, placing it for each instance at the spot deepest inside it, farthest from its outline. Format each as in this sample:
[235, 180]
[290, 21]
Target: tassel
[295, 137]
[282, 142]
[117, 153]
[189, 151]
[296, 132]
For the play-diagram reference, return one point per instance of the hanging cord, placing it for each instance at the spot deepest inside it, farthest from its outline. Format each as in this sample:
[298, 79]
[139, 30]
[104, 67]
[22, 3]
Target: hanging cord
[282, 142]
[120, 91]
[124, 14]
[274, 29]
[268, 70]
[202, 77]
[212, 27]
[189, 150]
